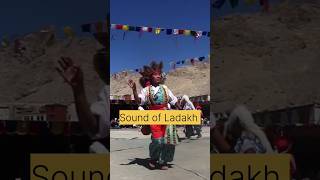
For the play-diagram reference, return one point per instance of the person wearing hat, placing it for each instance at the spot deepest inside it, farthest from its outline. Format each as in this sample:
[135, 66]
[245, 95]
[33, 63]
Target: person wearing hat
[156, 96]
[94, 118]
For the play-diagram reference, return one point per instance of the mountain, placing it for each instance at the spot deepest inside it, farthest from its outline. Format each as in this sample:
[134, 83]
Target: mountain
[30, 76]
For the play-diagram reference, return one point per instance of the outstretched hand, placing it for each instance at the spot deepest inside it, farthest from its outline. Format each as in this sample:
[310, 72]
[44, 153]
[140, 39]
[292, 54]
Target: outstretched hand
[132, 84]
[70, 72]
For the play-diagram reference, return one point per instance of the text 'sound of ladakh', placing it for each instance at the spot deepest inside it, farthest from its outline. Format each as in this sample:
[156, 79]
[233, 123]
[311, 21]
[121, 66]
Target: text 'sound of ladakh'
[159, 117]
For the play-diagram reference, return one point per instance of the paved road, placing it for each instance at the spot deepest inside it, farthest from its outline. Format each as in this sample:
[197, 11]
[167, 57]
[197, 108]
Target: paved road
[129, 153]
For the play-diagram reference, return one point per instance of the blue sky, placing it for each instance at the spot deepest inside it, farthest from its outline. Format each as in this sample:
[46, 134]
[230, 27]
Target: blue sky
[19, 17]
[130, 51]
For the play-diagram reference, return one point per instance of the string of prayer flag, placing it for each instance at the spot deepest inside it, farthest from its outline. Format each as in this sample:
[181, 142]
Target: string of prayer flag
[158, 30]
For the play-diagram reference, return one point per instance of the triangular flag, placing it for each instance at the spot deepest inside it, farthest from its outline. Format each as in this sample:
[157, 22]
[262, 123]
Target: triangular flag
[181, 31]
[113, 26]
[175, 31]
[132, 28]
[125, 27]
[145, 29]
[199, 34]
[157, 30]
[119, 26]
[138, 28]
[169, 31]
[187, 32]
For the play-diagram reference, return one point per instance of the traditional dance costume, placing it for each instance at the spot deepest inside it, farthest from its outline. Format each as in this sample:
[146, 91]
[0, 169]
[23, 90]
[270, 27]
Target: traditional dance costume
[164, 137]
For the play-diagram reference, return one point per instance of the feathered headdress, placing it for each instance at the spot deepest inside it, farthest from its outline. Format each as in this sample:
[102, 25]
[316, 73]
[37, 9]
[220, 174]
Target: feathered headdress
[154, 67]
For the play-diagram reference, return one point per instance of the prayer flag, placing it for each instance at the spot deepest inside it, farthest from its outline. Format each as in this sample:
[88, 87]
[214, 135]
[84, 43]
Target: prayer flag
[125, 27]
[119, 26]
[199, 34]
[132, 28]
[158, 30]
[113, 26]
[181, 31]
[138, 28]
[145, 29]
[187, 32]
[169, 31]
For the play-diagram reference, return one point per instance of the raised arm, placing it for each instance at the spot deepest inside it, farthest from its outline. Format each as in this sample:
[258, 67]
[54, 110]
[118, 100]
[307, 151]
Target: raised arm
[73, 75]
[133, 86]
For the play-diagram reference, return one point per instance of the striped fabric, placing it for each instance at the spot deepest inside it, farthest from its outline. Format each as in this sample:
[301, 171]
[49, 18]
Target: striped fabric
[171, 135]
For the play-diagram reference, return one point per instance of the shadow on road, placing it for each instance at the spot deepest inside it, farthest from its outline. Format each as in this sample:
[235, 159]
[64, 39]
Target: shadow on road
[142, 162]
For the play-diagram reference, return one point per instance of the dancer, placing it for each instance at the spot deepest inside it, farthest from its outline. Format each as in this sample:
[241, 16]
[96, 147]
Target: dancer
[95, 118]
[156, 96]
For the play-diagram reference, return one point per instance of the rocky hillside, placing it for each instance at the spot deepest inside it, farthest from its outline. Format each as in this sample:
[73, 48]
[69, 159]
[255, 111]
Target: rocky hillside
[189, 80]
[267, 60]
[30, 77]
